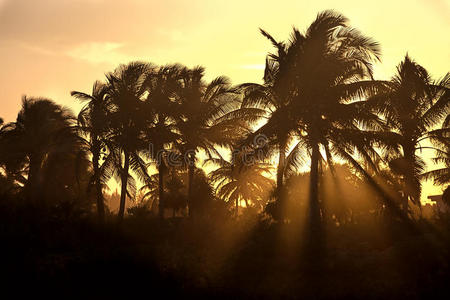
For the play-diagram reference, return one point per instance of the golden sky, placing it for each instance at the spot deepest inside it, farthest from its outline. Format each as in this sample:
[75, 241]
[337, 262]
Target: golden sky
[50, 47]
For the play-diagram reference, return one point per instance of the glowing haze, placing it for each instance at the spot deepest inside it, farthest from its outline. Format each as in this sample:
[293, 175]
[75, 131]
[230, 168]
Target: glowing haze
[50, 47]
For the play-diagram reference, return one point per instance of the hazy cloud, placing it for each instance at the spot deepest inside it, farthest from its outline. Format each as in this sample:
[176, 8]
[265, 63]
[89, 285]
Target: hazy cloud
[105, 52]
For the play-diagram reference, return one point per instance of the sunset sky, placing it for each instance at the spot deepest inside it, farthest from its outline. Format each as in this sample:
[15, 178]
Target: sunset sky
[50, 47]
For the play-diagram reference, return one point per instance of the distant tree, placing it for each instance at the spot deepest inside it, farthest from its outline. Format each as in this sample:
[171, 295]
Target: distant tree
[175, 187]
[150, 191]
[176, 196]
[205, 203]
[237, 181]
[174, 190]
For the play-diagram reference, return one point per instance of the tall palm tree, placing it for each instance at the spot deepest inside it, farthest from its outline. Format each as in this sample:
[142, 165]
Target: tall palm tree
[161, 110]
[324, 71]
[271, 99]
[238, 181]
[208, 118]
[92, 121]
[41, 131]
[412, 105]
[126, 121]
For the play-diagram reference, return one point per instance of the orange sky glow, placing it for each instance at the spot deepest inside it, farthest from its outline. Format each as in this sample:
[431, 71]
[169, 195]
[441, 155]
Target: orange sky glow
[50, 47]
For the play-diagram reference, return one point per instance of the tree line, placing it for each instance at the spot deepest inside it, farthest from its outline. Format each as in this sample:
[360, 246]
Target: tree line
[319, 105]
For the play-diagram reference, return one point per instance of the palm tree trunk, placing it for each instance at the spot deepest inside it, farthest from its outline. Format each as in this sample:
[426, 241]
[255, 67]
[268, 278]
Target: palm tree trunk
[191, 170]
[161, 169]
[281, 165]
[33, 180]
[409, 179]
[98, 184]
[124, 179]
[314, 210]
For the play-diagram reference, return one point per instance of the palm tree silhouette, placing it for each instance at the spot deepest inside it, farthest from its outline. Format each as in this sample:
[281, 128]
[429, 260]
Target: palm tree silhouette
[412, 105]
[271, 99]
[207, 118]
[161, 108]
[92, 121]
[441, 141]
[126, 91]
[42, 129]
[324, 70]
[8, 178]
[175, 187]
[238, 181]
[174, 190]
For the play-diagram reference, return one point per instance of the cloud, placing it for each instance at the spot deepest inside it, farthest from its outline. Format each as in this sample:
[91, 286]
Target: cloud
[37, 49]
[99, 52]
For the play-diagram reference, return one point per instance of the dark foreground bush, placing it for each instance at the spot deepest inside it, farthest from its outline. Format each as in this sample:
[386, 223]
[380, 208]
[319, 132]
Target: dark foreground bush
[245, 258]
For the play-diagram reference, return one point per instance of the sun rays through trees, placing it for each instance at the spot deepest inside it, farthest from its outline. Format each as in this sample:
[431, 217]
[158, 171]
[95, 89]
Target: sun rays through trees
[296, 168]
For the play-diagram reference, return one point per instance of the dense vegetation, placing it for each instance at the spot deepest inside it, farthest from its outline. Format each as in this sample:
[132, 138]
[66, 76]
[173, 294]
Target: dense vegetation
[203, 208]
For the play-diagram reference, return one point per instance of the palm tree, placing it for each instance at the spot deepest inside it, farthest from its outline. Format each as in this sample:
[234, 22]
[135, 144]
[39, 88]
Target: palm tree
[8, 181]
[412, 105]
[441, 141]
[208, 117]
[92, 121]
[324, 71]
[149, 190]
[42, 130]
[161, 110]
[126, 121]
[271, 99]
[174, 187]
[238, 181]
